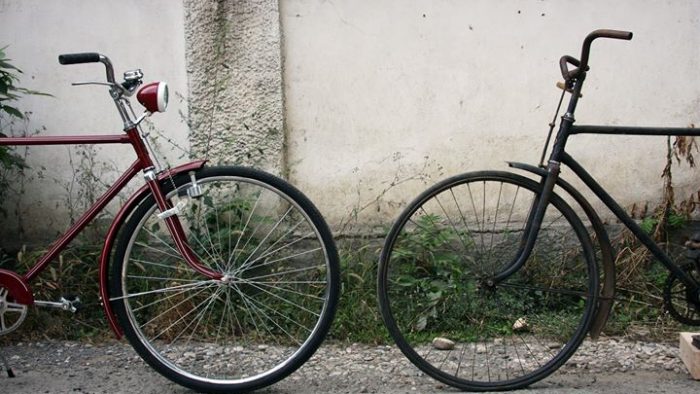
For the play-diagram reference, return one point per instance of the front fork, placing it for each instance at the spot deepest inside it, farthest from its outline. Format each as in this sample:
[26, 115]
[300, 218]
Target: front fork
[170, 215]
[539, 206]
[533, 224]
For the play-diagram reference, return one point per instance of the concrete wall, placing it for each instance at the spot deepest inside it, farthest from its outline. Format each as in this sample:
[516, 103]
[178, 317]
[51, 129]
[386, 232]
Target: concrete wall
[235, 82]
[361, 104]
[134, 34]
[384, 97]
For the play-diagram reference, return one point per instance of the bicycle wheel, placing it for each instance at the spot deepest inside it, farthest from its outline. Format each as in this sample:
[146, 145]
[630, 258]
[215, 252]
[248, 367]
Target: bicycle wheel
[443, 310]
[256, 327]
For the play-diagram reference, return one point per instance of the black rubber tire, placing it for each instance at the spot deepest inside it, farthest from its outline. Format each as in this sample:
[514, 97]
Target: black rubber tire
[679, 301]
[266, 320]
[433, 281]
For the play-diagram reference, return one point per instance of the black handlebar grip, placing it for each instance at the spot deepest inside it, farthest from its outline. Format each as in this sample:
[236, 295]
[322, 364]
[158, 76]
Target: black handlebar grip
[77, 58]
[607, 33]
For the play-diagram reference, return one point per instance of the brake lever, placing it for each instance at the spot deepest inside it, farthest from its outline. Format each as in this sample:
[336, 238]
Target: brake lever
[91, 83]
[120, 90]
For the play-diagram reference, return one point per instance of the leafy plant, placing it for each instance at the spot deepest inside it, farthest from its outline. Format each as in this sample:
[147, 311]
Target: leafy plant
[357, 317]
[10, 93]
[433, 272]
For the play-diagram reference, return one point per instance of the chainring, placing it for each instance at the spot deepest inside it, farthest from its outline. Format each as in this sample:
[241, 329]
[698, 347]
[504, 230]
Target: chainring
[12, 314]
[681, 302]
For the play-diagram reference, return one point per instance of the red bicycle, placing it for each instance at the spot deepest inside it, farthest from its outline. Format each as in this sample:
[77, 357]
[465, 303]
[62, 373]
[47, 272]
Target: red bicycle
[222, 278]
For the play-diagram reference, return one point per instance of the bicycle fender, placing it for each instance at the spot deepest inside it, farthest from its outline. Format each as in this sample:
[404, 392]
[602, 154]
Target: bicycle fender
[110, 239]
[607, 293]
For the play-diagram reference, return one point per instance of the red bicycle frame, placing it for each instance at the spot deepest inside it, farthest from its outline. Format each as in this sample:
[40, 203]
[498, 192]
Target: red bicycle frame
[18, 285]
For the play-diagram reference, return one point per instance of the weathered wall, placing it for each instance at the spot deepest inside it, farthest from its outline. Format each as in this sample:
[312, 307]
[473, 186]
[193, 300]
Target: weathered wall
[235, 81]
[362, 103]
[383, 97]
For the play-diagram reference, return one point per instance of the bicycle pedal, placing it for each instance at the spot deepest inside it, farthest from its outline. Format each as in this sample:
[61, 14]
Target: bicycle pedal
[75, 303]
[67, 303]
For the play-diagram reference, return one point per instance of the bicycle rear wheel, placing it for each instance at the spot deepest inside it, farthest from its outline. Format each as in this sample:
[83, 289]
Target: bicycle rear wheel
[443, 310]
[245, 332]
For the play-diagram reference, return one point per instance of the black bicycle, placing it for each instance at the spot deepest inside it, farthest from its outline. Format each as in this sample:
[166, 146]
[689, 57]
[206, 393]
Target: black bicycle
[490, 281]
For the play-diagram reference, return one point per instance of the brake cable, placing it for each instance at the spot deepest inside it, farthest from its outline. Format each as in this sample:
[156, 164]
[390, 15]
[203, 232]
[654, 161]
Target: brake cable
[551, 127]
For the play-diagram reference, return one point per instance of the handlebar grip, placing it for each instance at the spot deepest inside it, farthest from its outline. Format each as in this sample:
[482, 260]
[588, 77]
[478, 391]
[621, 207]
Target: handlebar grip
[607, 33]
[77, 58]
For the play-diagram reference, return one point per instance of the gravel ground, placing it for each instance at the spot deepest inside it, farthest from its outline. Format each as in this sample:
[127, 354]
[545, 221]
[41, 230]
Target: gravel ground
[606, 366]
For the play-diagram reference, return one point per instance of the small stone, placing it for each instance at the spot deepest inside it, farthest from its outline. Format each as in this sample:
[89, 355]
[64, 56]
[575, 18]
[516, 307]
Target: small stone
[520, 325]
[441, 343]
[553, 345]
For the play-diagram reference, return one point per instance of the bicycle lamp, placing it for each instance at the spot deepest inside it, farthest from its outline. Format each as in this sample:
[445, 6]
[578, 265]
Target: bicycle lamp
[154, 96]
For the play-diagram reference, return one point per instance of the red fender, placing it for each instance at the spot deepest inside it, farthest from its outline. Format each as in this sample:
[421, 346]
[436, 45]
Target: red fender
[111, 236]
[17, 287]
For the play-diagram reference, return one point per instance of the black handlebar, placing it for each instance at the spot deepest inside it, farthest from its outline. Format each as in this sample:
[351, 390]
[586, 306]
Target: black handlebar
[77, 58]
[603, 33]
[582, 65]
[89, 57]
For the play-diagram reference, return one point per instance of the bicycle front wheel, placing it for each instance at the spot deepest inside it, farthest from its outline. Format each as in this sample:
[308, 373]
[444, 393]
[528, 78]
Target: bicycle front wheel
[261, 323]
[441, 305]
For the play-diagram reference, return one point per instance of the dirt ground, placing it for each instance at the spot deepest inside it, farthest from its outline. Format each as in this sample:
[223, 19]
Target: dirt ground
[73, 367]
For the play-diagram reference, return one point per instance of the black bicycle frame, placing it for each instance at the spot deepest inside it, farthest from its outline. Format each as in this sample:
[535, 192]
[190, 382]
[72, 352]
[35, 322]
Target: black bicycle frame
[609, 202]
[559, 156]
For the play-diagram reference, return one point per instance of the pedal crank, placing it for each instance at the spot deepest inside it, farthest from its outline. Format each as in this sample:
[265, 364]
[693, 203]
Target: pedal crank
[70, 304]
